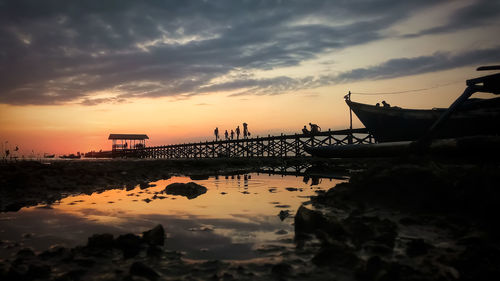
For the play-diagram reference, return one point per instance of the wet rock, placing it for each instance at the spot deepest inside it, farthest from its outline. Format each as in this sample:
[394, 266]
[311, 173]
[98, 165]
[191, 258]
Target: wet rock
[307, 221]
[84, 262]
[376, 248]
[56, 251]
[281, 232]
[129, 243]
[147, 200]
[155, 236]
[140, 269]
[190, 190]
[100, 241]
[282, 206]
[336, 255]
[291, 188]
[74, 274]
[154, 251]
[282, 269]
[479, 262]
[25, 253]
[417, 247]
[284, 214]
[199, 177]
[372, 270]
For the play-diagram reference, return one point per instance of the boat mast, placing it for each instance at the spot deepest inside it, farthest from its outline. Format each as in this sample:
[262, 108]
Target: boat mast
[348, 97]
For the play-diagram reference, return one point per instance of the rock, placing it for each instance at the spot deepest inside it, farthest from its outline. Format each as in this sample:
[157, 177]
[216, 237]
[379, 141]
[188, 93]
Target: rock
[307, 221]
[25, 253]
[373, 269]
[281, 232]
[282, 269]
[100, 241]
[190, 190]
[155, 236]
[377, 248]
[282, 206]
[284, 214]
[291, 188]
[417, 247]
[56, 251]
[336, 255]
[154, 251]
[129, 243]
[140, 269]
[147, 200]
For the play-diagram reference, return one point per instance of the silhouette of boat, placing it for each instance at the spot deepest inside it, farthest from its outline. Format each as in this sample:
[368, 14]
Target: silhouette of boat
[71, 156]
[404, 130]
[389, 124]
[49, 155]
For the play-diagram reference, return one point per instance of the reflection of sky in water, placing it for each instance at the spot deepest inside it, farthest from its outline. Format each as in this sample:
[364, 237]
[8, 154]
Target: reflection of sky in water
[234, 218]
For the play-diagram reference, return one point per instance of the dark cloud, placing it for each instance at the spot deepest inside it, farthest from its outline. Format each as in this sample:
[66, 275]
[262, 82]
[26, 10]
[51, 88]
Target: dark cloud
[393, 68]
[58, 51]
[478, 13]
[410, 66]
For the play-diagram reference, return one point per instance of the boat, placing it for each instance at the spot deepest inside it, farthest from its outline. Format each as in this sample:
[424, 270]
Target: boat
[71, 156]
[391, 124]
[46, 155]
[465, 117]
[471, 122]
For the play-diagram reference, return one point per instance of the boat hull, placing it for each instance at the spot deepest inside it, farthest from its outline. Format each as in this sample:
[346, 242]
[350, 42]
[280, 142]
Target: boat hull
[390, 124]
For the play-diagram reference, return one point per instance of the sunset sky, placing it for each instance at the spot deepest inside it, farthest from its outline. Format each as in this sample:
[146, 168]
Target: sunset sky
[72, 72]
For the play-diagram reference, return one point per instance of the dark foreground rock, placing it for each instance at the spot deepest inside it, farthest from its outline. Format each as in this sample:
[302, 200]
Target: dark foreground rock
[408, 221]
[190, 190]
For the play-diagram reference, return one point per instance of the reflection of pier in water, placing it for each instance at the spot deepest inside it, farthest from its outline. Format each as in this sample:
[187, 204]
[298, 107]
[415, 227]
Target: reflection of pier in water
[307, 171]
[270, 146]
[310, 173]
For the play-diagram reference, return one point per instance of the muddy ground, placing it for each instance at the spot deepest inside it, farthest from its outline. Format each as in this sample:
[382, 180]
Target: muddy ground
[396, 219]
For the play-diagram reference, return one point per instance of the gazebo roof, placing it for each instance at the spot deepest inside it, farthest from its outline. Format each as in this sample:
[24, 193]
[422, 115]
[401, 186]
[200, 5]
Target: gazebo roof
[127, 137]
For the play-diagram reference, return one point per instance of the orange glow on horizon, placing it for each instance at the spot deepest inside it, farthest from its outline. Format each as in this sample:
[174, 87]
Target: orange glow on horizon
[65, 129]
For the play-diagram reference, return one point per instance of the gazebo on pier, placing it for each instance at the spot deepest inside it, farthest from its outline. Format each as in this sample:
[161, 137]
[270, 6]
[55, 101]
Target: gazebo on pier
[127, 141]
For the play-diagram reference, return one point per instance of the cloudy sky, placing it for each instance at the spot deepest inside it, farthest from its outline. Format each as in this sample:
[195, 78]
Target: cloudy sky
[72, 72]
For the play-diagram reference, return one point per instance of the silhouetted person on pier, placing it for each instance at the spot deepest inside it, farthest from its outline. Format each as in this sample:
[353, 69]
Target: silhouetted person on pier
[216, 133]
[314, 128]
[385, 104]
[305, 131]
[238, 132]
[232, 134]
[245, 130]
[377, 105]
[226, 135]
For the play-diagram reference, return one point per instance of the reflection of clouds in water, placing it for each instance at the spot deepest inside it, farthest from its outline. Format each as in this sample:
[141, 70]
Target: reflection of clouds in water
[240, 222]
[230, 239]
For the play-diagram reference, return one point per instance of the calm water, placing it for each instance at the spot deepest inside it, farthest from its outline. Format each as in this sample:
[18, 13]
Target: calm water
[234, 220]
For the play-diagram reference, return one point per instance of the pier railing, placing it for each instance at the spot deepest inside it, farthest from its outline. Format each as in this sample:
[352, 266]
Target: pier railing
[270, 146]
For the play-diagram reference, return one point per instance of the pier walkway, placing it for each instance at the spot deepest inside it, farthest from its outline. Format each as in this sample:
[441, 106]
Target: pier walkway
[270, 146]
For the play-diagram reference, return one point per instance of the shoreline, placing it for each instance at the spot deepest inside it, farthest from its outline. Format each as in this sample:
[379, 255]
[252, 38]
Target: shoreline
[396, 219]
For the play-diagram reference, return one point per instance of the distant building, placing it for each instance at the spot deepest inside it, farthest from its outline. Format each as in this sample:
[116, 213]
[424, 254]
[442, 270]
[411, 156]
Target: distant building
[127, 141]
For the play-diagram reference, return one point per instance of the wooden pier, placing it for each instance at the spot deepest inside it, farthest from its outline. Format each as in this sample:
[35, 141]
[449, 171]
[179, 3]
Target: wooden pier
[270, 146]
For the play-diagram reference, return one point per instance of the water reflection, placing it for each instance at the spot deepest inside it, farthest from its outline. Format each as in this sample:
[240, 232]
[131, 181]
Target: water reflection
[237, 216]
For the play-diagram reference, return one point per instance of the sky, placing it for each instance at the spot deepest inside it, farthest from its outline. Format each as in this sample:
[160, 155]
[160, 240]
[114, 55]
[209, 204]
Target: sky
[72, 72]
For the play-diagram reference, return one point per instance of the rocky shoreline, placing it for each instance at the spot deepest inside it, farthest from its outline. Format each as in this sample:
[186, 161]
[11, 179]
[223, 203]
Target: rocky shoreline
[409, 221]
[29, 183]
[399, 219]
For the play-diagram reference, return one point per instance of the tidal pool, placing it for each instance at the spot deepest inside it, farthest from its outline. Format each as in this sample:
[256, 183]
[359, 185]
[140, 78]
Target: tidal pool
[236, 219]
